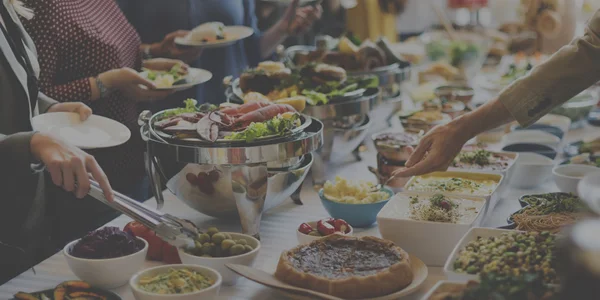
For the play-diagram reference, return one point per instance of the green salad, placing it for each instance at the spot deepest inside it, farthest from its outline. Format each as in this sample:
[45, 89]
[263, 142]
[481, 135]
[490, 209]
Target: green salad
[165, 79]
[277, 126]
[190, 107]
[176, 281]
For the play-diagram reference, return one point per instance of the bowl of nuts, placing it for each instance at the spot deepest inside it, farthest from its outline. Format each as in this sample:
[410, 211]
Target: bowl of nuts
[216, 249]
[311, 231]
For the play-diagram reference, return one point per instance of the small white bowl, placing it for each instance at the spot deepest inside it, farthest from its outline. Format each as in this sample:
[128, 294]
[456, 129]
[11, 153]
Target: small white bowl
[531, 136]
[205, 294]
[219, 263]
[396, 225]
[106, 273]
[307, 239]
[567, 177]
[531, 170]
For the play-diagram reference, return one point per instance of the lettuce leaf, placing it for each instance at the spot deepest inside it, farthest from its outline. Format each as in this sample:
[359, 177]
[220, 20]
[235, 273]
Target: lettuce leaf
[276, 126]
[190, 106]
[315, 98]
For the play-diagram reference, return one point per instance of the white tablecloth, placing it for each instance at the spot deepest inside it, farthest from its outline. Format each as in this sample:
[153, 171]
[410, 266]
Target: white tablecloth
[277, 233]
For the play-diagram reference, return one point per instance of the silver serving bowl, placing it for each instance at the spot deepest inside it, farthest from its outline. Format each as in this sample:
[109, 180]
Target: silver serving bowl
[339, 142]
[390, 76]
[251, 177]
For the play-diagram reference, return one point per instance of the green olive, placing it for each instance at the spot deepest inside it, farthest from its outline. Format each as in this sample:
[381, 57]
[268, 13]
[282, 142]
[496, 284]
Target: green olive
[228, 236]
[248, 248]
[218, 238]
[226, 244]
[212, 230]
[242, 242]
[203, 238]
[237, 249]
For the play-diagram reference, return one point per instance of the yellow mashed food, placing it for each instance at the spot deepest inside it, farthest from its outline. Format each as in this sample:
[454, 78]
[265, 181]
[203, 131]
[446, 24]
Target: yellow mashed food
[344, 191]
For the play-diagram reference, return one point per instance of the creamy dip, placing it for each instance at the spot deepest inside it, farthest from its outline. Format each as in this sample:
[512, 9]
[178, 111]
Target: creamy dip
[416, 207]
[455, 185]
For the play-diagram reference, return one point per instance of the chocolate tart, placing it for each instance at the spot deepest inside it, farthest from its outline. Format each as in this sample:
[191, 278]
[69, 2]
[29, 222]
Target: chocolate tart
[347, 267]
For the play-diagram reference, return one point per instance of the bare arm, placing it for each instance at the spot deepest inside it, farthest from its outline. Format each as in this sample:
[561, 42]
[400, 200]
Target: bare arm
[572, 69]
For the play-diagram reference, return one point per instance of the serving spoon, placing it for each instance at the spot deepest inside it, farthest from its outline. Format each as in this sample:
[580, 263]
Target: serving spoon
[380, 186]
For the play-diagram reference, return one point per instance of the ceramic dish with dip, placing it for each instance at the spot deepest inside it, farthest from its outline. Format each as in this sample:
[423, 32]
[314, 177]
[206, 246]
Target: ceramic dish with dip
[459, 183]
[447, 217]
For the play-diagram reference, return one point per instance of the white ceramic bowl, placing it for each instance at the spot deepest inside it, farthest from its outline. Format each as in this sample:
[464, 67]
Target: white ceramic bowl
[531, 170]
[471, 235]
[531, 136]
[205, 294]
[307, 239]
[442, 286]
[589, 191]
[219, 263]
[567, 177]
[396, 226]
[559, 121]
[106, 273]
[493, 198]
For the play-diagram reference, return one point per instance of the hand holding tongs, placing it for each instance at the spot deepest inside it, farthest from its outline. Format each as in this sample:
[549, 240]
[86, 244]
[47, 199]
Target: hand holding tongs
[175, 231]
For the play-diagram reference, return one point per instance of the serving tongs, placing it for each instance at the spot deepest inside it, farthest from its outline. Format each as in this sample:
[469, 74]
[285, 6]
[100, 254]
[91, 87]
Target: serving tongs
[175, 231]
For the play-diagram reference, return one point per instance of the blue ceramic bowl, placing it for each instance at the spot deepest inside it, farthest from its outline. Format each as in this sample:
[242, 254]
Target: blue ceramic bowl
[535, 148]
[357, 215]
[547, 128]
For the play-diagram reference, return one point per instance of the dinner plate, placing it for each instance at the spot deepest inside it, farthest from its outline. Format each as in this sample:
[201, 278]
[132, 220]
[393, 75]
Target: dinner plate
[95, 132]
[420, 273]
[194, 77]
[233, 34]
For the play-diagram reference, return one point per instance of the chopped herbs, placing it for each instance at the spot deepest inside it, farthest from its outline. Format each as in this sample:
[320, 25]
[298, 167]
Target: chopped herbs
[455, 184]
[480, 157]
[439, 208]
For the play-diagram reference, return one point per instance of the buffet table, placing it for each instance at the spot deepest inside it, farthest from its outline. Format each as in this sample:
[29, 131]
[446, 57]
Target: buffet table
[278, 232]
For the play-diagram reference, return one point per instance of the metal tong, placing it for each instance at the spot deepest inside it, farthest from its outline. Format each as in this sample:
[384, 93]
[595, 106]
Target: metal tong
[175, 231]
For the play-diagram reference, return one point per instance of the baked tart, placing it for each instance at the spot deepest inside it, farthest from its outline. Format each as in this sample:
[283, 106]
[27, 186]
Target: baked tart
[347, 267]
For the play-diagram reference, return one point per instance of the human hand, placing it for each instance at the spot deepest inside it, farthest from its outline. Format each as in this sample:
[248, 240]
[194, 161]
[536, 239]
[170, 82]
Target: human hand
[297, 20]
[69, 166]
[168, 48]
[83, 110]
[132, 84]
[165, 64]
[436, 150]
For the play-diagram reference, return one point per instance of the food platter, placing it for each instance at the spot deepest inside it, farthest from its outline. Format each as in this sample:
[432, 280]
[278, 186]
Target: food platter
[193, 77]
[390, 76]
[305, 122]
[419, 276]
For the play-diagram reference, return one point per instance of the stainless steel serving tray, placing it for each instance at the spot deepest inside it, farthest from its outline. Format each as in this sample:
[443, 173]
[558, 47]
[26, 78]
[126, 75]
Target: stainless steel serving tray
[306, 121]
[390, 76]
[235, 152]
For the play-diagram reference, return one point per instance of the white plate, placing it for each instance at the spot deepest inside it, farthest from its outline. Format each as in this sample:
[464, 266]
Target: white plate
[95, 132]
[420, 273]
[233, 34]
[194, 77]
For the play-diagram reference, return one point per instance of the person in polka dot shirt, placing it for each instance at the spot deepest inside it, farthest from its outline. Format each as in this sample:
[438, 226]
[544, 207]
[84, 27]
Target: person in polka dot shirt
[89, 52]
